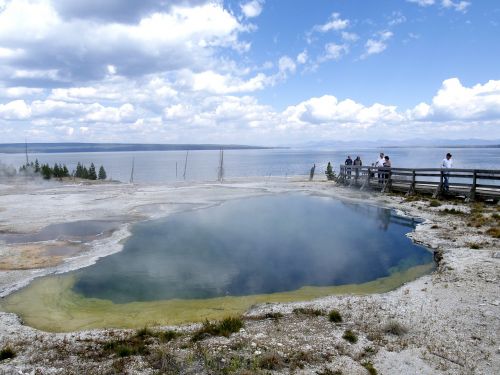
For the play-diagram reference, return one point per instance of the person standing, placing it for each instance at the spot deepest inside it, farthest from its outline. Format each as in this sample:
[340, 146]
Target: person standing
[348, 163]
[380, 164]
[447, 164]
[387, 164]
[311, 173]
[357, 163]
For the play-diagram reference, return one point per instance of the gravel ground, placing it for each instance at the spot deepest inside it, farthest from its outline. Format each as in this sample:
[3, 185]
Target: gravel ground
[443, 323]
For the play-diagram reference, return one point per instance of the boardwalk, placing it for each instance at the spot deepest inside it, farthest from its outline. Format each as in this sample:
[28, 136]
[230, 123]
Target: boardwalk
[471, 184]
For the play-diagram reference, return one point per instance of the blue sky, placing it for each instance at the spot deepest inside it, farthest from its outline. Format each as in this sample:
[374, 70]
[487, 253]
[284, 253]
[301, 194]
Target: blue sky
[250, 71]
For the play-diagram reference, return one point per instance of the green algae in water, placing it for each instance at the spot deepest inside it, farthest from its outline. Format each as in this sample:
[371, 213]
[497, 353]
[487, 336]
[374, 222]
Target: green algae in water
[50, 304]
[219, 261]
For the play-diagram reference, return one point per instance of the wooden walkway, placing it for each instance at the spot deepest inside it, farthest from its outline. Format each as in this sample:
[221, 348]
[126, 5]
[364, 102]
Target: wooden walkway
[471, 184]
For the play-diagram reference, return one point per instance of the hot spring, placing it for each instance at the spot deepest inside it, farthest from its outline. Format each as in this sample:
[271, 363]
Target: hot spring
[217, 261]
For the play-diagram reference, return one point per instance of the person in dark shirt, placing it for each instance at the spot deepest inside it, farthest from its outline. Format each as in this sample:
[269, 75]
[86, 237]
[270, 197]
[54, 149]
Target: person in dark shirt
[357, 163]
[348, 162]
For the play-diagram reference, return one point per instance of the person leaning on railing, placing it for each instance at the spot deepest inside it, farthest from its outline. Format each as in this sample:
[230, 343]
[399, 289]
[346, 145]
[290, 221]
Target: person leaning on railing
[357, 162]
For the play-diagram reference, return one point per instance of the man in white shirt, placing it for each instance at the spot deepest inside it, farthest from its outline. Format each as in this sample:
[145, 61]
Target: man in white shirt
[446, 164]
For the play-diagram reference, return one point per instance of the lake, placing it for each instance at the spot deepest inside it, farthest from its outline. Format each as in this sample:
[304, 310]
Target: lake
[161, 166]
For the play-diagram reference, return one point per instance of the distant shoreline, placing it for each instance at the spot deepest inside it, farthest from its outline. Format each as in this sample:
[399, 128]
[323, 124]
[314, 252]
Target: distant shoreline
[20, 148]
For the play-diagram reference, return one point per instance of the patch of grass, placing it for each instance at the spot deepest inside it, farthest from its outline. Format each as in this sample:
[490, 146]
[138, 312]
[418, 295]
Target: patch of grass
[395, 328]
[308, 311]
[300, 359]
[494, 232]
[166, 336]
[163, 336]
[334, 316]
[350, 336]
[165, 362]
[223, 327]
[478, 220]
[134, 345]
[369, 367]
[144, 333]
[6, 353]
[271, 361]
[475, 246]
[452, 211]
[273, 315]
[327, 371]
[434, 203]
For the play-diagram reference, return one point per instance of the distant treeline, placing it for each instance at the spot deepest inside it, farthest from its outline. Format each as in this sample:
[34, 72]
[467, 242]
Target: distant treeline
[16, 148]
[60, 171]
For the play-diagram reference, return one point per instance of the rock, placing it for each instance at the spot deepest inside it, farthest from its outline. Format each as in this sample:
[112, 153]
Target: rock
[257, 352]
[496, 254]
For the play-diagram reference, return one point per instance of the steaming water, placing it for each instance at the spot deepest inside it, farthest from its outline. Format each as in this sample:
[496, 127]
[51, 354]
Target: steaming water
[254, 246]
[160, 166]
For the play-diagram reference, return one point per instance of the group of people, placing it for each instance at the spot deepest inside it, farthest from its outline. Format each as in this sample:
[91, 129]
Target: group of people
[382, 162]
[385, 162]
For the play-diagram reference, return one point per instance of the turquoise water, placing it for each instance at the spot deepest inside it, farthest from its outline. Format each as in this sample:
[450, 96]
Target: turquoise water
[254, 246]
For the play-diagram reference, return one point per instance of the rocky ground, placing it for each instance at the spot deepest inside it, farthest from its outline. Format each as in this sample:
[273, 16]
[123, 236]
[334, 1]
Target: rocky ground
[444, 323]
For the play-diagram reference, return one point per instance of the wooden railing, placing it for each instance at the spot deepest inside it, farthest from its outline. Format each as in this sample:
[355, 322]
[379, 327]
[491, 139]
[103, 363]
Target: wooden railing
[471, 183]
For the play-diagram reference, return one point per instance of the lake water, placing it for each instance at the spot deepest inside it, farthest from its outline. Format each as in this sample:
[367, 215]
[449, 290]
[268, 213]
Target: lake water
[254, 246]
[160, 166]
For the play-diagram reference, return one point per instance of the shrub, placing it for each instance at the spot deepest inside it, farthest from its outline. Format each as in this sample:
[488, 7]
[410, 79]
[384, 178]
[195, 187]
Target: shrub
[334, 316]
[370, 368]
[350, 336]
[271, 361]
[6, 353]
[395, 328]
[494, 232]
[273, 315]
[435, 203]
[308, 311]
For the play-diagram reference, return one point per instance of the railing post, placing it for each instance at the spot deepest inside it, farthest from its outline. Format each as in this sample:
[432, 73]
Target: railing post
[439, 191]
[472, 194]
[412, 190]
[367, 179]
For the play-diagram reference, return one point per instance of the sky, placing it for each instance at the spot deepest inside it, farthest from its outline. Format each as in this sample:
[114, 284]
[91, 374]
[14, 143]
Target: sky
[258, 72]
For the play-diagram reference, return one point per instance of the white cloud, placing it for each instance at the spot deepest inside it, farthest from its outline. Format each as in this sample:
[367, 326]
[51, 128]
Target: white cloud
[422, 3]
[15, 110]
[334, 52]
[215, 83]
[456, 102]
[334, 23]
[459, 5]
[349, 37]
[286, 65]
[376, 46]
[302, 57]
[252, 8]
[86, 49]
[328, 110]
[396, 19]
